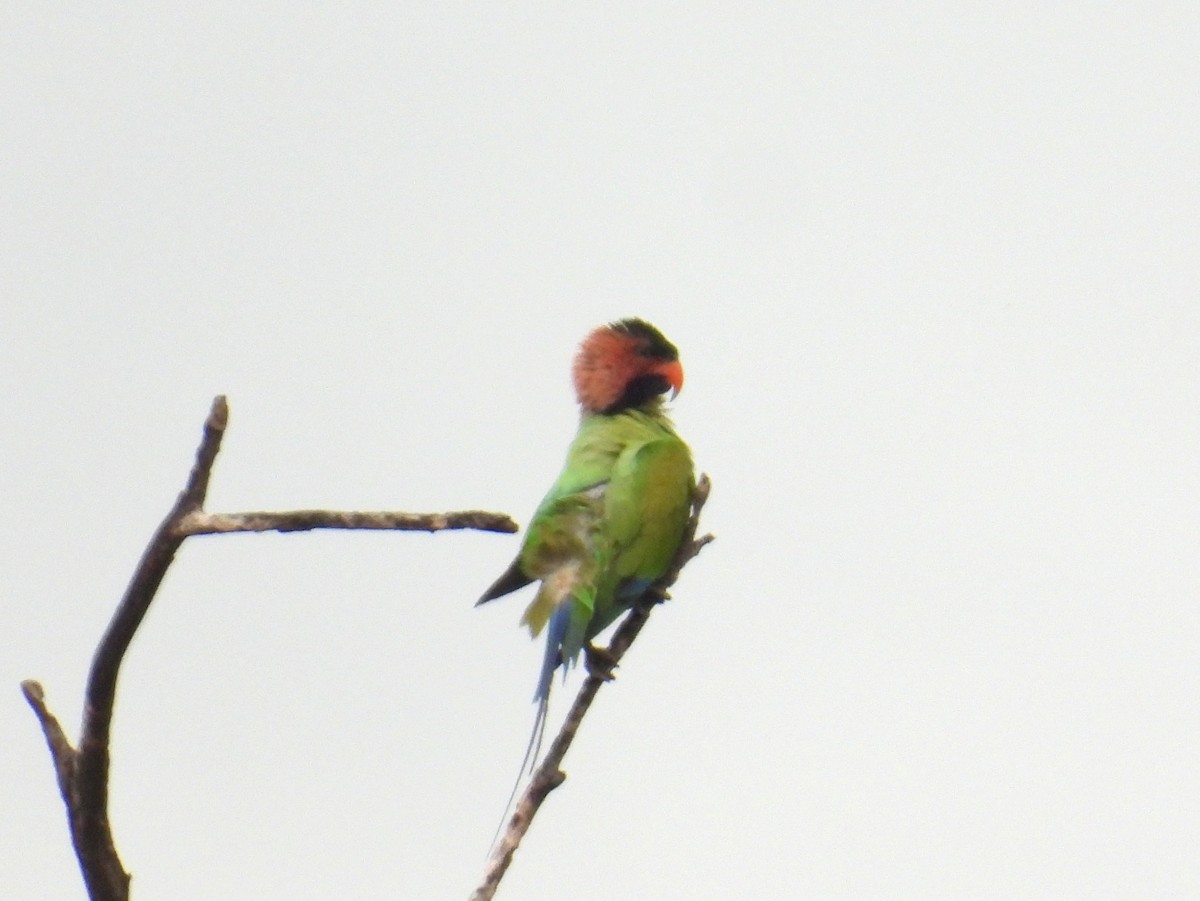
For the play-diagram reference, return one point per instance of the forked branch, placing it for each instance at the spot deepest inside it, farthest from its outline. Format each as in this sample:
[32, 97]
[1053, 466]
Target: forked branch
[83, 772]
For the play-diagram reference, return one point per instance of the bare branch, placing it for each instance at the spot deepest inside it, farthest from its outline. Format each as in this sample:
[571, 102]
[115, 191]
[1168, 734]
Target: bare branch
[87, 800]
[60, 745]
[549, 774]
[196, 489]
[83, 773]
[198, 522]
[102, 680]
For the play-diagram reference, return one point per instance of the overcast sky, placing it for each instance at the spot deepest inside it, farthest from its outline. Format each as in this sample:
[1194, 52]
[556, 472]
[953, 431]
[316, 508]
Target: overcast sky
[933, 275]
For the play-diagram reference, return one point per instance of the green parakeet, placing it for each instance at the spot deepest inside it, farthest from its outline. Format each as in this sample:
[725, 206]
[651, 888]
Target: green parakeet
[612, 522]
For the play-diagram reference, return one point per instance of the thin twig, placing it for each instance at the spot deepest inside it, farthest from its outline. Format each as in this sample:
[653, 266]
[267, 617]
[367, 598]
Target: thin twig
[549, 774]
[60, 746]
[83, 773]
[198, 522]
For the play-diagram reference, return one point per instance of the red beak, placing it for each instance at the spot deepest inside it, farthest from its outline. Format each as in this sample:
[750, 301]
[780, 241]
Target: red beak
[673, 373]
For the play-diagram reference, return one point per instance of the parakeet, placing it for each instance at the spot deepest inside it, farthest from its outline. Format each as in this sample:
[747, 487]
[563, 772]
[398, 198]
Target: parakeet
[613, 521]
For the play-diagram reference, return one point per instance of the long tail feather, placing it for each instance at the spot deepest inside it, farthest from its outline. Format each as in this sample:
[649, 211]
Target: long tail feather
[530, 758]
[556, 629]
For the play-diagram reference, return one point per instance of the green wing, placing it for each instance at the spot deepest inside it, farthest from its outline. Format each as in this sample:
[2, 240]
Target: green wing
[608, 527]
[643, 509]
[646, 507]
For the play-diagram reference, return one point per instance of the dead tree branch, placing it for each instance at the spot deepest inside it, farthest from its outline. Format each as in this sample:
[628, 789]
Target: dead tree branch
[83, 772]
[198, 522]
[549, 774]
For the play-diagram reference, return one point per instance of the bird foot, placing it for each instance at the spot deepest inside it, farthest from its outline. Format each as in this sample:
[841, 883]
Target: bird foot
[652, 597]
[599, 662]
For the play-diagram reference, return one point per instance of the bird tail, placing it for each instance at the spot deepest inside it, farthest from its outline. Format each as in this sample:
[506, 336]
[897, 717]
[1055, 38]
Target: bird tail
[556, 632]
[557, 629]
[528, 761]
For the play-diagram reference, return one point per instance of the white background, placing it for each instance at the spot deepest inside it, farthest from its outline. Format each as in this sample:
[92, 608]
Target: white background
[933, 272]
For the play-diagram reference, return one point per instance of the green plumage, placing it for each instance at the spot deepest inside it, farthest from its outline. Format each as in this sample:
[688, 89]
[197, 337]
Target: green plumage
[607, 529]
[613, 520]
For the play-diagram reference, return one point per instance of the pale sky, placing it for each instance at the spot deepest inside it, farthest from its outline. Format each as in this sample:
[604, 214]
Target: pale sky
[933, 276]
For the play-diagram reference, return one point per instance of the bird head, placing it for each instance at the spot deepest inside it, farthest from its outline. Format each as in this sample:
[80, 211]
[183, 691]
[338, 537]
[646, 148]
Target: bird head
[625, 364]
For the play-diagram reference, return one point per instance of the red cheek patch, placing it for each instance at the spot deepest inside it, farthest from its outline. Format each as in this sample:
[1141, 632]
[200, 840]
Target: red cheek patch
[605, 364]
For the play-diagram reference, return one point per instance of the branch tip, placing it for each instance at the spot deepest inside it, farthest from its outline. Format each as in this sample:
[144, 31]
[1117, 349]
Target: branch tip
[218, 414]
[33, 691]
